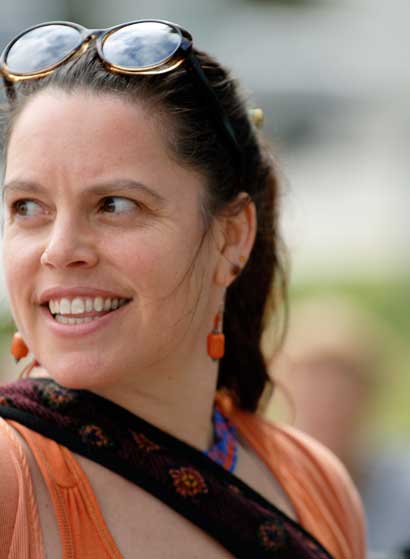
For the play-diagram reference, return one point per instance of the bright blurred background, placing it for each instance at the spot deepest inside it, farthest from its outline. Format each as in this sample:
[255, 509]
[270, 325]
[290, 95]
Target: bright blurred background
[333, 80]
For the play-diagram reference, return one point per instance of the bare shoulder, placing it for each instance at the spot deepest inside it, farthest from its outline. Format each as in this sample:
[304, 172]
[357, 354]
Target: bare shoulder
[253, 471]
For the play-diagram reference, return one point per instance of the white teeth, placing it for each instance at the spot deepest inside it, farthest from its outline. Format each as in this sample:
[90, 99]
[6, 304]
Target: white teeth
[65, 306]
[77, 306]
[66, 320]
[98, 304]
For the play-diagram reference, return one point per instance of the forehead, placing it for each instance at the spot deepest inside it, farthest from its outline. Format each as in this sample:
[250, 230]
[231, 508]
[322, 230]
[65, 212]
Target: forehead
[84, 128]
[89, 136]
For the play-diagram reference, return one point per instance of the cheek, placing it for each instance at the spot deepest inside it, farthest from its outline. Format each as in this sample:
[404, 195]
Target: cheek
[21, 261]
[157, 263]
[170, 280]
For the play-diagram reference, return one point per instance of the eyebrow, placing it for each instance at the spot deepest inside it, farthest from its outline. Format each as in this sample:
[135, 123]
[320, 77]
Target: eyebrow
[103, 188]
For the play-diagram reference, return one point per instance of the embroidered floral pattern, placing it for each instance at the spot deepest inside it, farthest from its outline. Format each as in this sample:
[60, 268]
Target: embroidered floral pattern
[94, 435]
[272, 535]
[188, 482]
[144, 443]
[4, 401]
[56, 396]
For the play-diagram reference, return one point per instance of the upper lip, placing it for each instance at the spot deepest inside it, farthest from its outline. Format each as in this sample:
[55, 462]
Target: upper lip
[71, 292]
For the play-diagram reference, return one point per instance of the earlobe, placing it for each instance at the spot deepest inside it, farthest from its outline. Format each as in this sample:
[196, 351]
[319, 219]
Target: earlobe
[239, 231]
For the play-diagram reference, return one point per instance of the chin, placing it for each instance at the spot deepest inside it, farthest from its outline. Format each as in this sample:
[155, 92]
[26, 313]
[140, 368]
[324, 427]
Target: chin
[79, 372]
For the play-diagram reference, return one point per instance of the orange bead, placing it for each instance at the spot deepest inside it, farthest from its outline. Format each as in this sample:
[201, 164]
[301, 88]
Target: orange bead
[216, 345]
[18, 347]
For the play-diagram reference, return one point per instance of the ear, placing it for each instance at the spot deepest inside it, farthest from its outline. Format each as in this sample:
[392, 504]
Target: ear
[237, 229]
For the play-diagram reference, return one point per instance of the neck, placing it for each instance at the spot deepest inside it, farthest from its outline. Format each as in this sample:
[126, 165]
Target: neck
[177, 399]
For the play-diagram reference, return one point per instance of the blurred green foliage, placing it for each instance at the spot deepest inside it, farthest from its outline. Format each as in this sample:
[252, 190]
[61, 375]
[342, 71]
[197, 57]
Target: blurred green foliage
[391, 300]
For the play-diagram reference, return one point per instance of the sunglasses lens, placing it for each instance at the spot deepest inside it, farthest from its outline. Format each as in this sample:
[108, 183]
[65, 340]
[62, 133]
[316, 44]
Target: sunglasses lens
[141, 45]
[41, 48]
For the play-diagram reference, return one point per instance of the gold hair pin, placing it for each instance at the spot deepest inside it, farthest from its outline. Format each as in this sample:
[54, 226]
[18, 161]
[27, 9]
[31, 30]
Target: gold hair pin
[256, 117]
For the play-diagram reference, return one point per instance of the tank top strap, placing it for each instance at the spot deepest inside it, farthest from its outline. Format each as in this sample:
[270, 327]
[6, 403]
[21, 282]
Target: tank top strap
[82, 527]
[20, 531]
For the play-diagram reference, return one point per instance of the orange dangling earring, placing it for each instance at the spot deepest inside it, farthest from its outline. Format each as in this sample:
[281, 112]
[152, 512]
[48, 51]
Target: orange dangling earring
[216, 338]
[18, 347]
[19, 350]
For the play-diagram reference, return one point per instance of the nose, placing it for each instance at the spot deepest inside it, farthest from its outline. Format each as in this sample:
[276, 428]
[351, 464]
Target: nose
[69, 246]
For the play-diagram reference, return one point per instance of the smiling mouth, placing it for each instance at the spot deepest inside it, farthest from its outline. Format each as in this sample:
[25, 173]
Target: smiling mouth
[81, 310]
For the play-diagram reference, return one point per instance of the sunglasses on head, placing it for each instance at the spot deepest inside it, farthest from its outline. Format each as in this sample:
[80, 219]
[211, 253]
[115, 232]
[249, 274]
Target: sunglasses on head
[142, 47]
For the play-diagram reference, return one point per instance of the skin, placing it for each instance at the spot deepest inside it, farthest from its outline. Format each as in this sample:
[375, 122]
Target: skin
[150, 247]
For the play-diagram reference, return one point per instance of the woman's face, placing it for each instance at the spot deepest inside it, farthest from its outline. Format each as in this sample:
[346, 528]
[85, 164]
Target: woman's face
[102, 241]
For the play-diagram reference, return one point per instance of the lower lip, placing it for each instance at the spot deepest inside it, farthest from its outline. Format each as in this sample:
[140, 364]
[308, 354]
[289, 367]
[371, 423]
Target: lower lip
[75, 330]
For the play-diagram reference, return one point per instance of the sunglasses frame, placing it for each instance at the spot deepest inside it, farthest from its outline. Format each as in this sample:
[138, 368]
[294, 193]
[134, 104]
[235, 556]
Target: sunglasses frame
[183, 54]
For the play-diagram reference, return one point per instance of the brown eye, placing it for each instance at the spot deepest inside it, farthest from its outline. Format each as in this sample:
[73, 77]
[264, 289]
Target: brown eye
[26, 208]
[118, 205]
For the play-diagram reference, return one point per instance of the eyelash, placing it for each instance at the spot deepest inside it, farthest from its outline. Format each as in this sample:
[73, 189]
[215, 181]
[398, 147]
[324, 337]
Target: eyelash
[16, 206]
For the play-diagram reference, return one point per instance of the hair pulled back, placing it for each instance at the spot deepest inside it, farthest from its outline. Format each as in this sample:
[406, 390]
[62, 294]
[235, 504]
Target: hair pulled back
[197, 142]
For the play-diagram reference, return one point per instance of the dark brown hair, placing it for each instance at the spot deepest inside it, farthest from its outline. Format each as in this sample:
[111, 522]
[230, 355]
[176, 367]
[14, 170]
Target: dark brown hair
[197, 141]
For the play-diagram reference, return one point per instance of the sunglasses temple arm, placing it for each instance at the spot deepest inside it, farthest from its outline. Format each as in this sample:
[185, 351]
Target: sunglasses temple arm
[202, 83]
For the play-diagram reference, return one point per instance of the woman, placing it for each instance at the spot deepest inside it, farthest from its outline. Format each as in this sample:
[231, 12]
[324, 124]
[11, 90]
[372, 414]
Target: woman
[141, 250]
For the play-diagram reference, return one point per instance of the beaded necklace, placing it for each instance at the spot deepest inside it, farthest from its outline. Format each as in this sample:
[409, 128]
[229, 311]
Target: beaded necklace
[224, 450]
